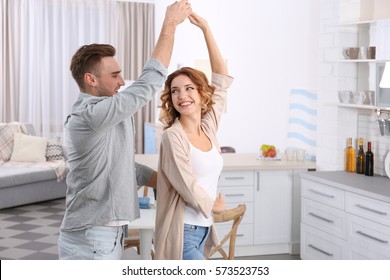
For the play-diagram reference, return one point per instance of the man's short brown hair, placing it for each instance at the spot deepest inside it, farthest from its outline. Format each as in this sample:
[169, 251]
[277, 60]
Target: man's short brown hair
[87, 60]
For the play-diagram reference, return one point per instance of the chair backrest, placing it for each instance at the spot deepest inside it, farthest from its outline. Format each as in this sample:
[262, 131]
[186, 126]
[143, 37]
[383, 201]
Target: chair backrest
[227, 149]
[235, 215]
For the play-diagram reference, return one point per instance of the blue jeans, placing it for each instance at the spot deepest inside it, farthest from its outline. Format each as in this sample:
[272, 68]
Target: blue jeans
[95, 243]
[194, 240]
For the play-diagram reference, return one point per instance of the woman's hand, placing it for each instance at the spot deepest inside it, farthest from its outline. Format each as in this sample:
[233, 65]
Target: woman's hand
[219, 204]
[195, 19]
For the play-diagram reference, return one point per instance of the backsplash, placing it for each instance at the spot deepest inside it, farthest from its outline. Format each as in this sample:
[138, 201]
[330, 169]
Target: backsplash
[368, 129]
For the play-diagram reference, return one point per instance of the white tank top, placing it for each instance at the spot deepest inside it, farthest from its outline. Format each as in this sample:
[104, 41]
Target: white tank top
[207, 167]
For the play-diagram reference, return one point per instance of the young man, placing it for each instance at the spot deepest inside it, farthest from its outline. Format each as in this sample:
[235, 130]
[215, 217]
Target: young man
[102, 195]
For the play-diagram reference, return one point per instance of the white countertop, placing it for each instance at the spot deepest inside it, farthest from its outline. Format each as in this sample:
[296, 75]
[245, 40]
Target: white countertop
[376, 187]
[239, 161]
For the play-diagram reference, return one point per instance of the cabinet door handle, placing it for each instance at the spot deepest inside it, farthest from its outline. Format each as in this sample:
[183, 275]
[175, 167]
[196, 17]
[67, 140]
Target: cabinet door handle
[320, 250]
[371, 210]
[258, 181]
[235, 194]
[372, 237]
[235, 178]
[321, 218]
[240, 235]
[321, 193]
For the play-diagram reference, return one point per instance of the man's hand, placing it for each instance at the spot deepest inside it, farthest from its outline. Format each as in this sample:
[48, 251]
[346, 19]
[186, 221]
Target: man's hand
[178, 12]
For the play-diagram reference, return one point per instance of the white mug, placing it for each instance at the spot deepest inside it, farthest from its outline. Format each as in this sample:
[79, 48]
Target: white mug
[359, 97]
[301, 154]
[363, 53]
[290, 155]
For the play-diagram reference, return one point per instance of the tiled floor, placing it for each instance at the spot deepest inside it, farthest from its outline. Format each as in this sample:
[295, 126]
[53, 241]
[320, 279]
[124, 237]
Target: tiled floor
[30, 232]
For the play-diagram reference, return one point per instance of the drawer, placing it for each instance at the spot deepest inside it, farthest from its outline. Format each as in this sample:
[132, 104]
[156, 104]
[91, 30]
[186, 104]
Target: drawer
[325, 218]
[318, 245]
[356, 252]
[244, 234]
[369, 235]
[237, 178]
[237, 194]
[323, 193]
[372, 209]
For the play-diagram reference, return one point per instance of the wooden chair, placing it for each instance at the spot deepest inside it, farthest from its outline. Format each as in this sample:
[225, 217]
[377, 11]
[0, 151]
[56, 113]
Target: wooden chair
[132, 240]
[235, 215]
[227, 149]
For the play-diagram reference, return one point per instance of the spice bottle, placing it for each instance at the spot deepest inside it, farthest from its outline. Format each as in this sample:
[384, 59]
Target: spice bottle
[369, 161]
[360, 158]
[349, 157]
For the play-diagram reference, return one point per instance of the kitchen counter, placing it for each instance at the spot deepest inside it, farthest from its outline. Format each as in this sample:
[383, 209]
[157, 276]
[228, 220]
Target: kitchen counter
[238, 161]
[376, 187]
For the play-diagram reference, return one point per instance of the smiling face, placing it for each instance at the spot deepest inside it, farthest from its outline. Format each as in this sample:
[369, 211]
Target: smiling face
[108, 79]
[185, 96]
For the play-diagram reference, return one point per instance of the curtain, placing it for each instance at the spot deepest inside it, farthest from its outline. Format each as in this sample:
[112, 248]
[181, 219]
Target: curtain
[135, 44]
[38, 39]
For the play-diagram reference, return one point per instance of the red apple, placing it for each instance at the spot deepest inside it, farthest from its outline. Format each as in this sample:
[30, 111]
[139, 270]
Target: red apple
[271, 153]
[265, 154]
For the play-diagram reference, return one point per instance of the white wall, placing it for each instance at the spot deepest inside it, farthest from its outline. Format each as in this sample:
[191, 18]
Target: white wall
[271, 47]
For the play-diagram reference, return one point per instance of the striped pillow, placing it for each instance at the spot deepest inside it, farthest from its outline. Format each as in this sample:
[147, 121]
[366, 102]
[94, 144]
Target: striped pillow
[54, 149]
[7, 131]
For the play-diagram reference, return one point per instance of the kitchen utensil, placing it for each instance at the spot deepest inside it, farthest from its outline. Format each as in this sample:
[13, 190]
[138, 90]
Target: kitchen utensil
[382, 126]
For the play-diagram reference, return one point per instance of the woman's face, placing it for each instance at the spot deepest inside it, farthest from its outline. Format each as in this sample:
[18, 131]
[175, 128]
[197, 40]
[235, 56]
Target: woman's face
[185, 96]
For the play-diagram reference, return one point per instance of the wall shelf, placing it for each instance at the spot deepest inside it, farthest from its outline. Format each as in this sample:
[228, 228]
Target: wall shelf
[365, 107]
[362, 61]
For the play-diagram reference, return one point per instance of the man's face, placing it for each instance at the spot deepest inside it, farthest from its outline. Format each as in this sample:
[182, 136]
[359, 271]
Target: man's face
[109, 80]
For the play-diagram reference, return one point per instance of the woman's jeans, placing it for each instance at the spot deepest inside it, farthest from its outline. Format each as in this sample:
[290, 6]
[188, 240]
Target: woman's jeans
[194, 240]
[95, 243]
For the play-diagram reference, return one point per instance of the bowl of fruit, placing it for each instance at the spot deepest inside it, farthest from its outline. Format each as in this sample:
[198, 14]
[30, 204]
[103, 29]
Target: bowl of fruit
[269, 152]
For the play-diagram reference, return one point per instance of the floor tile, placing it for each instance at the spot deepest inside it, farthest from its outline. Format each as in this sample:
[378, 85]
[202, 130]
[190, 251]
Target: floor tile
[15, 253]
[51, 239]
[29, 235]
[40, 256]
[24, 227]
[18, 219]
[12, 242]
[34, 246]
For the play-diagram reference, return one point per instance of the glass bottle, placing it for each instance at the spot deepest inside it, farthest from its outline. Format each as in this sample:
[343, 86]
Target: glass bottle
[360, 158]
[369, 170]
[350, 157]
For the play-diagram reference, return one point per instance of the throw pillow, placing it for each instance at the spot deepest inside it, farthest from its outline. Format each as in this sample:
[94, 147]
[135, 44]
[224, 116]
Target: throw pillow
[7, 131]
[29, 148]
[54, 149]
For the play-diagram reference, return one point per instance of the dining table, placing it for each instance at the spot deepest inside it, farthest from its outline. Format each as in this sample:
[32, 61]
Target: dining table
[145, 224]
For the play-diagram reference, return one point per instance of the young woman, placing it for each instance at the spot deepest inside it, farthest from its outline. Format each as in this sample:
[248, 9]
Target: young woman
[190, 161]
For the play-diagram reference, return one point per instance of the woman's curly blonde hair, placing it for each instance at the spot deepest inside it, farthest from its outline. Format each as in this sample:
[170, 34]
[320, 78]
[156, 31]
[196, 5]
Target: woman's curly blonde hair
[168, 112]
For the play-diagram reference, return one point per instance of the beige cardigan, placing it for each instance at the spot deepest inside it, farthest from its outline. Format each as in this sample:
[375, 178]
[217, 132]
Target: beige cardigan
[176, 183]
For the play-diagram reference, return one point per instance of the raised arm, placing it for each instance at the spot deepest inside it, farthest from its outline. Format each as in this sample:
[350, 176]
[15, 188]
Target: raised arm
[174, 15]
[216, 60]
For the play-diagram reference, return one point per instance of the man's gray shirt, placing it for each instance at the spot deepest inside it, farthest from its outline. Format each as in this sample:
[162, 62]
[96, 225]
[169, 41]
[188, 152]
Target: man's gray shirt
[99, 140]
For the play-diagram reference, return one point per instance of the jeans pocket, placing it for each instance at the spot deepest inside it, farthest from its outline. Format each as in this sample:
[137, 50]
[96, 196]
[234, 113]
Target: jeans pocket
[104, 247]
[65, 252]
[104, 239]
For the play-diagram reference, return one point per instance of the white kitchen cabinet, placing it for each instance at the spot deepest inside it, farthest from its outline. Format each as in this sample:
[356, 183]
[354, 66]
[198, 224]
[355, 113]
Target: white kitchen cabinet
[237, 188]
[273, 207]
[345, 216]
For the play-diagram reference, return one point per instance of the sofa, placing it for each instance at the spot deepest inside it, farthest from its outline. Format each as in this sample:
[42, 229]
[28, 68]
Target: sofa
[32, 168]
